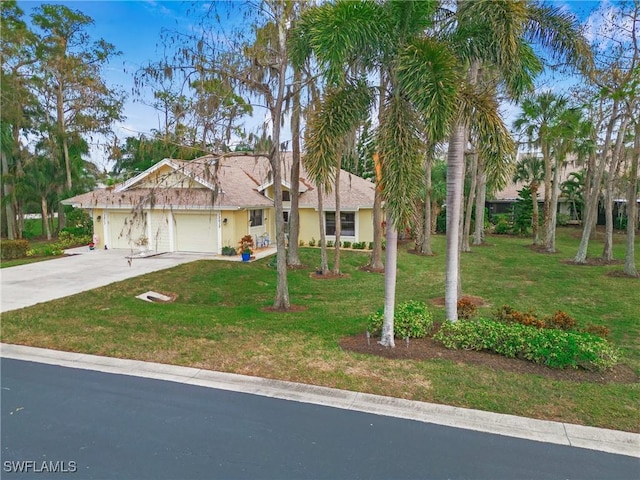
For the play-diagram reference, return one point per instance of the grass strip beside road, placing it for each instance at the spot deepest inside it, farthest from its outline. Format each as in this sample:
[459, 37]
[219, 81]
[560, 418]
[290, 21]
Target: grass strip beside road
[219, 321]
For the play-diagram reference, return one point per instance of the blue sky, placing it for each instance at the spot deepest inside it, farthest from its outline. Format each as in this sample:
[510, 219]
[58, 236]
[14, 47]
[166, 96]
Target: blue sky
[135, 27]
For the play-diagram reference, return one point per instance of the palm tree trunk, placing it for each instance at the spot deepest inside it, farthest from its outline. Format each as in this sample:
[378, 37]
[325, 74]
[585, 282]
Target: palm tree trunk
[375, 261]
[548, 172]
[391, 263]
[324, 262]
[632, 207]
[592, 196]
[616, 160]
[293, 256]
[535, 215]
[478, 236]
[8, 198]
[45, 216]
[455, 168]
[426, 242]
[466, 231]
[550, 236]
[336, 251]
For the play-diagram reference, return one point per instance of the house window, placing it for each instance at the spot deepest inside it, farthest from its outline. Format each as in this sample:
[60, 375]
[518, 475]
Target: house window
[286, 196]
[285, 216]
[255, 217]
[347, 223]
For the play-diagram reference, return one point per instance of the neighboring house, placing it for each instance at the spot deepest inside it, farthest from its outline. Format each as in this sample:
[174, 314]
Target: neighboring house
[504, 200]
[213, 201]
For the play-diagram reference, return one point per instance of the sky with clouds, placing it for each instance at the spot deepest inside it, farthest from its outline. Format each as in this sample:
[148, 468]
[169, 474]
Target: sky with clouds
[135, 28]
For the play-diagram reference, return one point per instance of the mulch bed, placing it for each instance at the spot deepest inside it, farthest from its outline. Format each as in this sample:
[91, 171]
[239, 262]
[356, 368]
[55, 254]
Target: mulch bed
[428, 349]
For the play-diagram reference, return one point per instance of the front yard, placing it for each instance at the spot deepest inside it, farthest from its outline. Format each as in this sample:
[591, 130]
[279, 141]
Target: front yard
[220, 321]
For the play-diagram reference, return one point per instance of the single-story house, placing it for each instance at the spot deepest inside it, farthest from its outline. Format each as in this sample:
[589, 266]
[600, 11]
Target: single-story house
[205, 204]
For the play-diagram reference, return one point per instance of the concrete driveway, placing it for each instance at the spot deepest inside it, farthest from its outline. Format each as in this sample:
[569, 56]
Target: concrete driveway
[82, 270]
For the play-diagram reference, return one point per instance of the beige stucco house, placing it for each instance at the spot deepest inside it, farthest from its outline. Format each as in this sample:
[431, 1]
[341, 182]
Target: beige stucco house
[211, 202]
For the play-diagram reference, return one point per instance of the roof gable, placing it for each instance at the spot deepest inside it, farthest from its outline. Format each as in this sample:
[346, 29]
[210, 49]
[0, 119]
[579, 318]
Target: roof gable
[169, 173]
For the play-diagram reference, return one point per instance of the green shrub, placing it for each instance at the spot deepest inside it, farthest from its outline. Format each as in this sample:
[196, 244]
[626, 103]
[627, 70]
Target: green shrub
[562, 219]
[312, 242]
[229, 251]
[79, 222]
[411, 319]
[12, 249]
[550, 347]
[502, 228]
[329, 243]
[346, 244]
[301, 243]
[359, 245]
[68, 239]
[370, 245]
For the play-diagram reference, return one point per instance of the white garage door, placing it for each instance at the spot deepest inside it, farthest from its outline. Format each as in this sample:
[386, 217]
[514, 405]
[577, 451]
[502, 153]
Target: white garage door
[196, 232]
[126, 229]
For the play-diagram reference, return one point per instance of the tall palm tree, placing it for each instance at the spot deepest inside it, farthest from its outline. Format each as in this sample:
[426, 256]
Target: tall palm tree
[530, 170]
[420, 75]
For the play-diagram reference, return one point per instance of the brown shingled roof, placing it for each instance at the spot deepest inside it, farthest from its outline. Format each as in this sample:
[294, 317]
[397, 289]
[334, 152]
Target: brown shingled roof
[237, 177]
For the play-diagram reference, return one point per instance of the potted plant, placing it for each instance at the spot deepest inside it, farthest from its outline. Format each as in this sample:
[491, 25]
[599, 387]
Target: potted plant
[246, 245]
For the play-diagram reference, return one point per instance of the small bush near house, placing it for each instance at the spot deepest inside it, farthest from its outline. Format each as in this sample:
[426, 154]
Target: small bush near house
[346, 244]
[12, 249]
[466, 309]
[550, 347]
[73, 238]
[562, 219]
[412, 319]
[370, 246]
[359, 245]
[229, 251]
[301, 243]
[312, 242]
[329, 243]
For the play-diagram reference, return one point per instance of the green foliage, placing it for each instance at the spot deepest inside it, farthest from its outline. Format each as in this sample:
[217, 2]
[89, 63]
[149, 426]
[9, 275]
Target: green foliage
[69, 239]
[346, 244]
[312, 242]
[359, 245]
[329, 243]
[79, 223]
[228, 251]
[562, 219]
[522, 212]
[412, 319]
[370, 246]
[441, 221]
[301, 243]
[502, 227]
[550, 347]
[12, 249]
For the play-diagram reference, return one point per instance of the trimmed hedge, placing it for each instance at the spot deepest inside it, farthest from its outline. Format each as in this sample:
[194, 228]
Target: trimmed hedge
[553, 348]
[411, 319]
[12, 249]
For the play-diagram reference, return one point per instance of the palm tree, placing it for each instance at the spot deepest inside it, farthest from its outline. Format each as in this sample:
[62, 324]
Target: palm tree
[495, 34]
[530, 170]
[420, 75]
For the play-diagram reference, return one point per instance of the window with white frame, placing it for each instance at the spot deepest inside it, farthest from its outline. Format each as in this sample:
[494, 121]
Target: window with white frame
[255, 217]
[347, 223]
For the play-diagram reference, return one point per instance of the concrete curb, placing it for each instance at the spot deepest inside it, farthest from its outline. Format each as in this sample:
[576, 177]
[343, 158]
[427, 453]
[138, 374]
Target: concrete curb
[611, 441]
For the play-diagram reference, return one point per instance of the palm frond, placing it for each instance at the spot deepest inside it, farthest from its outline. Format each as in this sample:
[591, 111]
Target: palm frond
[401, 157]
[428, 73]
[341, 110]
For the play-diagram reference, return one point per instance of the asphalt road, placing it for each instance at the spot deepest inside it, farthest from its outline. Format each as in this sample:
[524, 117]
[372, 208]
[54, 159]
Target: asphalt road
[98, 425]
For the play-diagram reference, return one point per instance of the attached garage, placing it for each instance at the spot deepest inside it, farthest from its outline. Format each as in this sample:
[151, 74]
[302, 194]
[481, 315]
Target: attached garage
[196, 232]
[126, 229]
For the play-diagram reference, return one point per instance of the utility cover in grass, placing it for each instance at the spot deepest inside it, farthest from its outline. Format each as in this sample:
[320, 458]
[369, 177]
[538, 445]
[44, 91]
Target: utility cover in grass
[152, 296]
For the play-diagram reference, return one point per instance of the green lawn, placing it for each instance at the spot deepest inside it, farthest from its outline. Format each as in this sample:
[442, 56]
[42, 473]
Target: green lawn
[218, 322]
